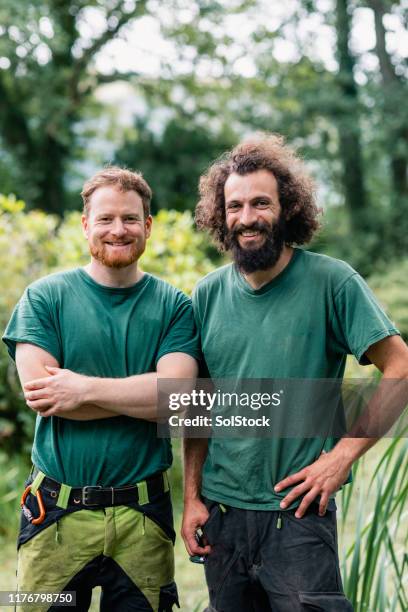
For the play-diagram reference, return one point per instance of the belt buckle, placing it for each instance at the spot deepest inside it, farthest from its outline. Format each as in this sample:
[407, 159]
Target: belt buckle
[85, 494]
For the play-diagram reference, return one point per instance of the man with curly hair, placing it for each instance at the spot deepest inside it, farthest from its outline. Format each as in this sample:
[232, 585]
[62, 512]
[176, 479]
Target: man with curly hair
[266, 505]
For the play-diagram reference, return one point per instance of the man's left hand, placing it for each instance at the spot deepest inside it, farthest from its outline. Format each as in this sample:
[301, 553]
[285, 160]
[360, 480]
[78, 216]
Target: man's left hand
[321, 478]
[61, 392]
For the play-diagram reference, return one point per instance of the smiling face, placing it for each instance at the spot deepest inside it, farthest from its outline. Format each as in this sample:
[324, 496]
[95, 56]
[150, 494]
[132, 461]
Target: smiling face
[254, 220]
[115, 227]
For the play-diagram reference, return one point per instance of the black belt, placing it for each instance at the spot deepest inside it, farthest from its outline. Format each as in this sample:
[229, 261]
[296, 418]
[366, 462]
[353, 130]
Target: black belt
[108, 496]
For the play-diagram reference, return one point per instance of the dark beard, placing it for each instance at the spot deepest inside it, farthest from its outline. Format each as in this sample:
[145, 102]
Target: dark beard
[262, 258]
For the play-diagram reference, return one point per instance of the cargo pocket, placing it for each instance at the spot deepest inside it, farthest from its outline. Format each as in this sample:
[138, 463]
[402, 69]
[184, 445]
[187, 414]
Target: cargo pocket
[325, 602]
[308, 548]
[168, 598]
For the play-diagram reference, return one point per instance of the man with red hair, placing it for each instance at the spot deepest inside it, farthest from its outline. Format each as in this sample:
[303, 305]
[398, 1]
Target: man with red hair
[90, 345]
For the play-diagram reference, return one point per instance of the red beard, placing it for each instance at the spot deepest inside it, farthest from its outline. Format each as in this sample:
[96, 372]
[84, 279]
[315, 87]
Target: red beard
[102, 253]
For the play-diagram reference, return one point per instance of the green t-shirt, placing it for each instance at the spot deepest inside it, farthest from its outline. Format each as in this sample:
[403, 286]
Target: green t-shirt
[105, 332]
[301, 325]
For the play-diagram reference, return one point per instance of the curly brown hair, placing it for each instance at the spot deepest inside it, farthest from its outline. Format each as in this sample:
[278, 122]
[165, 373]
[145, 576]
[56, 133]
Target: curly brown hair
[296, 188]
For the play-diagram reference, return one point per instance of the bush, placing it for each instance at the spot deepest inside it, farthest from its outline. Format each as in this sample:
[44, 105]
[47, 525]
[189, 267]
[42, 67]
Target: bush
[389, 286]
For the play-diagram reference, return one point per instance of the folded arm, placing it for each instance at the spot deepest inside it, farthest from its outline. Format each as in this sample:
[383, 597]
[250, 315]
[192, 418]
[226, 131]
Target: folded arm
[33, 362]
[62, 391]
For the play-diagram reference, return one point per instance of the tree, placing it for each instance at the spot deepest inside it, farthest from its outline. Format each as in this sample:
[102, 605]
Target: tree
[47, 73]
[395, 91]
[348, 122]
[393, 98]
[173, 161]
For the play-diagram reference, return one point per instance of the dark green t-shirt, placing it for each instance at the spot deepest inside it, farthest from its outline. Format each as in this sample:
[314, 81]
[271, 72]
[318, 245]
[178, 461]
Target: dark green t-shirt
[301, 325]
[105, 332]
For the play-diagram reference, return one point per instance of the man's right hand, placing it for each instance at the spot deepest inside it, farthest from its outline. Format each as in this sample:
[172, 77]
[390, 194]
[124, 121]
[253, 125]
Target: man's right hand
[54, 395]
[195, 516]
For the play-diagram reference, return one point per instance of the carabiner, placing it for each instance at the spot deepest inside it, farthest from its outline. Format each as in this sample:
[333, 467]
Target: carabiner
[27, 513]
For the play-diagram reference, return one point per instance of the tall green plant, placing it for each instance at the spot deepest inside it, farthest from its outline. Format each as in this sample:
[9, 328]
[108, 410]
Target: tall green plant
[375, 563]
[13, 473]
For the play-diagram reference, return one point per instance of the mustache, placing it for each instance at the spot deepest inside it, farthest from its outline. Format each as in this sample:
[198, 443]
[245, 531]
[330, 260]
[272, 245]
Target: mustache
[257, 226]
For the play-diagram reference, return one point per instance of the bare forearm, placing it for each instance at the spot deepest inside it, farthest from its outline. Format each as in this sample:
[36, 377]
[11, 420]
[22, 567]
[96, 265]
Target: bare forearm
[195, 453]
[351, 449]
[381, 412]
[62, 391]
[135, 396]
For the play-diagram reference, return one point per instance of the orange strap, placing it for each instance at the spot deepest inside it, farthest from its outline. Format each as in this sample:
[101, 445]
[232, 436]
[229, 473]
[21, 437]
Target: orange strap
[27, 513]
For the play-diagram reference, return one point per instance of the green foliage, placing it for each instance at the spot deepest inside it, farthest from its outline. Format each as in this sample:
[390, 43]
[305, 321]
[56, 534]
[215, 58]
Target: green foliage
[26, 252]
[173, 161]
[370, 252]
[33, 244]
[215, 86]
[390, 286]
[46, 79]
[176, 252]
[13, 474]
[375, 562]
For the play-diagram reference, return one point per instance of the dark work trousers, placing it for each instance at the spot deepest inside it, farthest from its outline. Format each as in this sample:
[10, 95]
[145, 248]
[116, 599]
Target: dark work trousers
[264, 561]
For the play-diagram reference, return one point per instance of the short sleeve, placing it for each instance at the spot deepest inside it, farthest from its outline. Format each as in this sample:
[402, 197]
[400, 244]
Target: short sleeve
[203, 371]
[33, 323]
[359, 321]
[181, 334]
[196, 307]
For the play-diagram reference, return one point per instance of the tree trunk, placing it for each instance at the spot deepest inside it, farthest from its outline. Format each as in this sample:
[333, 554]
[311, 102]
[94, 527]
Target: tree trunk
[394, 101]
[50, 170]
[348, 123]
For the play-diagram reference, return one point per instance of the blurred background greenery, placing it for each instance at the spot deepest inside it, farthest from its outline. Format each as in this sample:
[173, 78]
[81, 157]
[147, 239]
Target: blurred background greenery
[164, 87]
